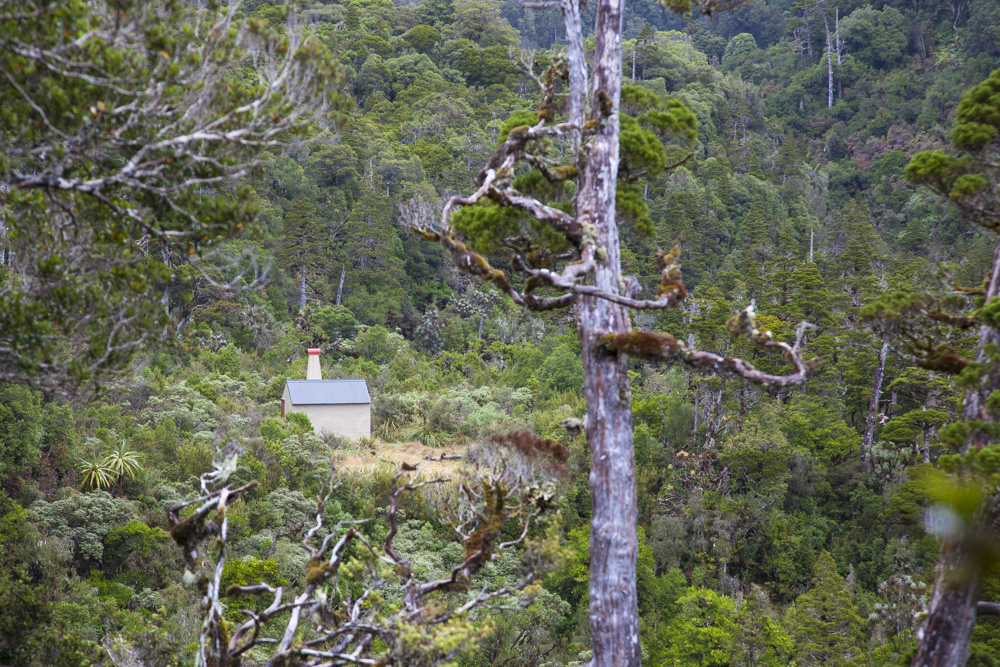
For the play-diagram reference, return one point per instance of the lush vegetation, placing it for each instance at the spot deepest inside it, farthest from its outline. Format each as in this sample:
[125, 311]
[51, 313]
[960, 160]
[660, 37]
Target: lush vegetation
[777, 525]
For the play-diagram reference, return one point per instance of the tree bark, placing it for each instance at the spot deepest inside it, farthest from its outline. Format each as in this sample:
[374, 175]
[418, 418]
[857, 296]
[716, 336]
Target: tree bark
[836, 36]
[577, 60]
[948, 631]
[872, 418]
[974, 405]
[952, 613]
[302, 291]
[340, 287]
[614, 612]
[829, 65]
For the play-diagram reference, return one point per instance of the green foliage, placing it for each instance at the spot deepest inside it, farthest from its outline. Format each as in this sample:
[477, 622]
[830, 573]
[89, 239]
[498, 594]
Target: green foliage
[32, 636]
[132, 544]
[877, 38]
[702, 633]
[823, 622]
[562, 370]
[135, 202]
[249, 572]
[335, 321]
[811, 212]
[739, 48]
[760, 640]
[84, 520]
[20, 428]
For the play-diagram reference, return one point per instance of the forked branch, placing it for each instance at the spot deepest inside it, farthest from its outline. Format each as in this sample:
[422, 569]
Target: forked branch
[664, 348]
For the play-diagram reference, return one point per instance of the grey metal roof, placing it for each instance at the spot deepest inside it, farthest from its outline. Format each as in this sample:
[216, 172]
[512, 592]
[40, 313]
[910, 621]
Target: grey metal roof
[328, 392]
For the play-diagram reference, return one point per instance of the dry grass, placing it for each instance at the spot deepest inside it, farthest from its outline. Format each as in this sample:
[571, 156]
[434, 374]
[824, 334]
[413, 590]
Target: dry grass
[360, 459]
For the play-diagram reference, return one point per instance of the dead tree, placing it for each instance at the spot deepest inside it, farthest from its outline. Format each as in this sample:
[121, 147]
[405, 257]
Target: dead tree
[337, 614]
[585, 275]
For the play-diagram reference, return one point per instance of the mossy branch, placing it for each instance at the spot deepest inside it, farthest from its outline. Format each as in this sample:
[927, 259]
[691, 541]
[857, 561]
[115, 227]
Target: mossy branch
[664, 348]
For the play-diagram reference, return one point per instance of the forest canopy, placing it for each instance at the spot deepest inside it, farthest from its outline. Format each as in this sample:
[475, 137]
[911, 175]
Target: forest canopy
[191, 195]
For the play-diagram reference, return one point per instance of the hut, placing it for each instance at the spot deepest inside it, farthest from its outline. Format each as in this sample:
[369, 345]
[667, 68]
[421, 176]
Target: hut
[335, 407]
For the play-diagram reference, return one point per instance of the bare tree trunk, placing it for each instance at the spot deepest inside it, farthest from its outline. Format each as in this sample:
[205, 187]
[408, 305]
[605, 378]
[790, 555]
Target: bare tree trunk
[836, 36]
[952, 613]
[479, 334]
[812, 234]
[577, 72]
[633, 65]
[694, 431]
[872, 418]
[809, 41]
[925, 447]
[829, 65]
[302, 291]
[340, 287]
[614, 611]
[948, 631]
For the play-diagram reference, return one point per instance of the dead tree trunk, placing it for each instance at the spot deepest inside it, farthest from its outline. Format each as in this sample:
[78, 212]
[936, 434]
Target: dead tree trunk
[614, 548]
[340, 287]
[591, 281]
[829, 65]
[872, 418]
[302, 291]
[836, 36]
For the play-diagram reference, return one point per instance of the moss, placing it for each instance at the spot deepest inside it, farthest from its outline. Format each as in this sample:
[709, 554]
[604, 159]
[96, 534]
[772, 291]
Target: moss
[669, 264]
[532, 283]
[318, 571]
[565, 172]
[643, 345]
[547, 111]
[518, 133]
[944, 361]
[605, 104]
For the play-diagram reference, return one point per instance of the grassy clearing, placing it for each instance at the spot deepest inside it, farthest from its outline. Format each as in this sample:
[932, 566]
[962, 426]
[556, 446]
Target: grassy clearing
[356, 457]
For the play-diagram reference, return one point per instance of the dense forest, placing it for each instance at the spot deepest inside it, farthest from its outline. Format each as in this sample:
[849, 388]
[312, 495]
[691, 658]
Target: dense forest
[827, 162]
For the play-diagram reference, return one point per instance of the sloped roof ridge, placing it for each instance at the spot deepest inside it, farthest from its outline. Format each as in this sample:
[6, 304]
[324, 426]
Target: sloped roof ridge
[328, 392]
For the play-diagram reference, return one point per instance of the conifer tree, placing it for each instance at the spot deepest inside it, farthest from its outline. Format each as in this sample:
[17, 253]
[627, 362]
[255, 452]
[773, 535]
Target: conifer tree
[824, 623]
[760, 640]
[754, 245]
[703, 632]
[371, 247]
[808, 297]
[303, 244]
[859, 253]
